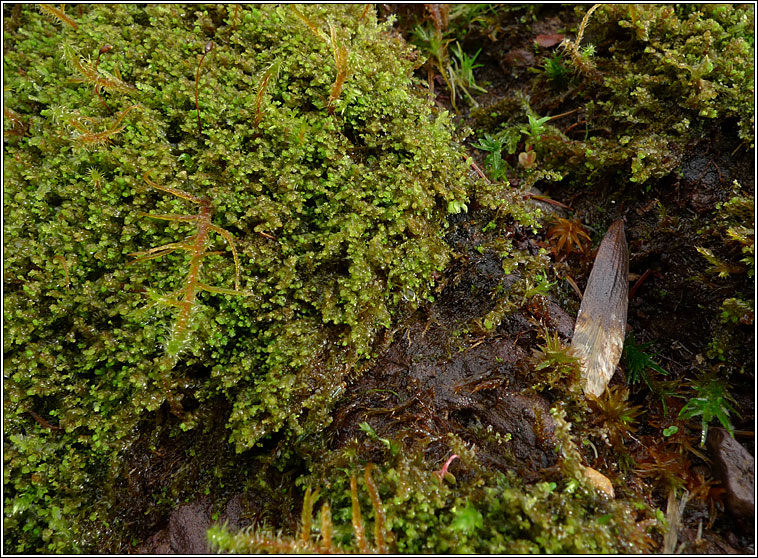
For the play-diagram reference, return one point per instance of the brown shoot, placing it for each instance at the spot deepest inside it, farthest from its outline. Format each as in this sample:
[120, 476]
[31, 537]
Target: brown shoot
[64, 263]
[19, 127]
[315, 30]
[583, 65]
[340, 57]
[307, 541]
[235, 17]
[326, 529]
[103, 50]
[57, 14]
[89, 138]
[90, 73]
[159, 251]
[173, 191]
[43, 422]
[568, 236]
[307, 514]
[379, 542]
[340, 60]
[360, 533]
[196, 245]
[272, 71]
[439, 14]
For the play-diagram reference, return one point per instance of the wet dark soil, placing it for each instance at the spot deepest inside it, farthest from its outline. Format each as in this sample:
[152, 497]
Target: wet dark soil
[438, 378]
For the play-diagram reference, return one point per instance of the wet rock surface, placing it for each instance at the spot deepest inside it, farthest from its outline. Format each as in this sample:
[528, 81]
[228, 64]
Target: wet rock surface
[187, 526]
[708, 543]
[735, 468]
[468, 393]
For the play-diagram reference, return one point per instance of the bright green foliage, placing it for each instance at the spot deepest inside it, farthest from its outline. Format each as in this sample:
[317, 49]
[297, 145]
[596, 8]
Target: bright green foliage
[320, 540]
[704, 58]
[734, 234]
[463, 18]
[433, 39]
[711, 400]
[467, 519]
[335, 198]
[555, 70]
[558, 365]
[668, 75]
[432, 42]
[496, 166]
[638, 362]
[534, 128]
[736, 310]
[485, 512]
[670, 431]
[463, 72]
[507, 142]
[717, 266]
[729, 245]
[392, 445]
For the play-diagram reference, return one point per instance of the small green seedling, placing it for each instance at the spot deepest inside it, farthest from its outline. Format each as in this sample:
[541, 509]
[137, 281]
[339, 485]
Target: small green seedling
[201, 58]
[391, 445]
[638, 362]
[670, 431]
[463, 72]
[535, 128]
[555, 71]
[711, 401]
[494, 159]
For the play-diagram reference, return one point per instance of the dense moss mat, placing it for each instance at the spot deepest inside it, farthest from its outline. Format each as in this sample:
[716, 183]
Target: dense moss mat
[411, 509]
[650, 80]
[315, 159]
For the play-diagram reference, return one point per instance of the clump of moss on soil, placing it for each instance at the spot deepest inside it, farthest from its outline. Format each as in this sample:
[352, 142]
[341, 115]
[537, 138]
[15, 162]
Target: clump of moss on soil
[656, 125]
[477, 510]
[654, 79]
[333, 183]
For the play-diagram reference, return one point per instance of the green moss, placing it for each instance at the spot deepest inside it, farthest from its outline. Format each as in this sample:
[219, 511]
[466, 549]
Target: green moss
[336, 203]
[560, 365]
[727, 248]
[484, 512]
[666, 76]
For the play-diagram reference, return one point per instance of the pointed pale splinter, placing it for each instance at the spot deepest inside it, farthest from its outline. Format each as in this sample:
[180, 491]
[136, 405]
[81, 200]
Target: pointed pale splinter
[601, 323]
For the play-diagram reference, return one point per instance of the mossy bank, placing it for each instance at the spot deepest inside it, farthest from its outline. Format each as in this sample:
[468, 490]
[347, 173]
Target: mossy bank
[225, 230]
[313, 151]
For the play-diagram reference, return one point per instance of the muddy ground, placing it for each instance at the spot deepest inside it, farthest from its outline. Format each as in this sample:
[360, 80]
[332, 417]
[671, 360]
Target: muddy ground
[440, 374]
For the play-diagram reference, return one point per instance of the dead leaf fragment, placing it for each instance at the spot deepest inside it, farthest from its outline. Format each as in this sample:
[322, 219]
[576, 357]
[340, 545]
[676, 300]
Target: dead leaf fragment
[547, 41]
[599, 481]
[601, 323]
